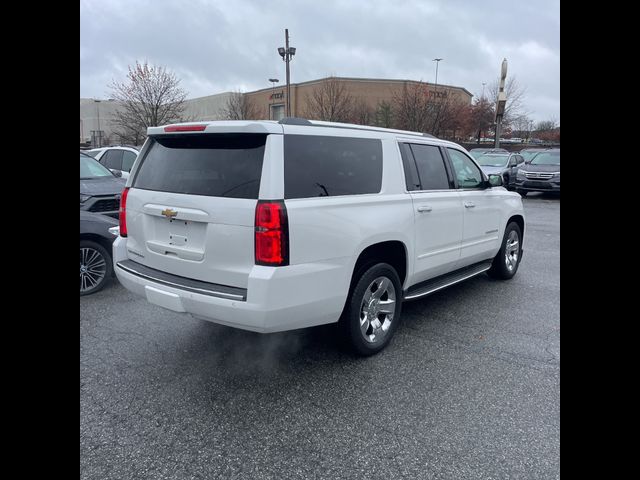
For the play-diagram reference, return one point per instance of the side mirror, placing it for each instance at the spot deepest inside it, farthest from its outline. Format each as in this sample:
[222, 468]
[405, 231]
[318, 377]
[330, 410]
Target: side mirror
[495, 180]
[117, 173]
[527, 162]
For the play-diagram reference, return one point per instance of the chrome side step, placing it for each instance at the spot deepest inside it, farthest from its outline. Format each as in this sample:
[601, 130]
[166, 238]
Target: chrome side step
[443, 281]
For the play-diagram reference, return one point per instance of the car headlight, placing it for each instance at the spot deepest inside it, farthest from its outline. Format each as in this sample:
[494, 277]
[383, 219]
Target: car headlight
[84, 198]
[521, 174]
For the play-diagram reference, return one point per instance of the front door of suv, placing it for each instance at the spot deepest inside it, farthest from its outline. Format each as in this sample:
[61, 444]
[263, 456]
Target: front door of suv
[437, 210]
[480, 239]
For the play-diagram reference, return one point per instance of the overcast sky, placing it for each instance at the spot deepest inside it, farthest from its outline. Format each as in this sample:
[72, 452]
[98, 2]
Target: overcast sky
[215, 46]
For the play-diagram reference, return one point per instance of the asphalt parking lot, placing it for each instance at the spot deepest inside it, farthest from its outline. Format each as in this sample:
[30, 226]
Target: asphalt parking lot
[469, 388]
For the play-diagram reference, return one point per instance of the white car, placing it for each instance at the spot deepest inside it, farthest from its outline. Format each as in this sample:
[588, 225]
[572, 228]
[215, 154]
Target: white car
[117, 159]
[272, 226]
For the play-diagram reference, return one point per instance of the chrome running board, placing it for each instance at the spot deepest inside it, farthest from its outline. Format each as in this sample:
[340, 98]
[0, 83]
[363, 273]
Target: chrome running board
[443, 281]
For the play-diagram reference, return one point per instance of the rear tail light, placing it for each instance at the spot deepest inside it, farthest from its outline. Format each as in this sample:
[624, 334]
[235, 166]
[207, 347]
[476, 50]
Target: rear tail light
[123, 212]
[272, 233]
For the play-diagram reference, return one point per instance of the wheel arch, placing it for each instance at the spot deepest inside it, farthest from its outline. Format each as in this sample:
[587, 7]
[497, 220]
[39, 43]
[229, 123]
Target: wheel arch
[393, 252]
[100, 240]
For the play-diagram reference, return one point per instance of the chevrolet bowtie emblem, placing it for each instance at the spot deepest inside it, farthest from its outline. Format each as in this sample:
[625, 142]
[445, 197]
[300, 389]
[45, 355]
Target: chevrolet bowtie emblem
[167, 212]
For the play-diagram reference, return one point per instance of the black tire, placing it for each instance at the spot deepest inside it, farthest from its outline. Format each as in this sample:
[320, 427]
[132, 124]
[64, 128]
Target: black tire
[522, 193]
[97, 274]
[505, 181]
[350, 325]
[502, 268]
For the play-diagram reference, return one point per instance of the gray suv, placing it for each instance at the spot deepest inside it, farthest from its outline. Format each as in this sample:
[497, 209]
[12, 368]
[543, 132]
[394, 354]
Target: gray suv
[504, 164]
[542, 174]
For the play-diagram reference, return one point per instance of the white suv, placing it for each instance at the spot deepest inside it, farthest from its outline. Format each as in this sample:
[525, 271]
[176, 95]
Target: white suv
[271, 226]
[118, 159]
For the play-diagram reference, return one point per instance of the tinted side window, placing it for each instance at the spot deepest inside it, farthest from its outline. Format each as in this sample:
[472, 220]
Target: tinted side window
[467, 173]
[218, 165]
[318, 166]
[127, 160]
[410, 170]
[431, 169]
[520, 159]
[113, 159]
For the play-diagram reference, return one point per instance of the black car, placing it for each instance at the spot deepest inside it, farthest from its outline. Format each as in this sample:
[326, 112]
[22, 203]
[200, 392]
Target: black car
[96, 265]
[541, 174]
[100, 189]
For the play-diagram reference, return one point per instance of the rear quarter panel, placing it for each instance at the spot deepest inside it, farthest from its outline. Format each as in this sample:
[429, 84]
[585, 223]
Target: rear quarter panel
[337, 229]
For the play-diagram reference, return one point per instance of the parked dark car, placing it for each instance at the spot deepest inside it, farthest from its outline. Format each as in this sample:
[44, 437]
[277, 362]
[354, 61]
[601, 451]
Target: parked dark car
[477, 152]
[96, 265]
[100, 189]
[542, 174]
[504, 164]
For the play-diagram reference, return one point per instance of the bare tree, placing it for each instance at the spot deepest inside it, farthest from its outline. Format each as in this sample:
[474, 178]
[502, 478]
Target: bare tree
[362, 113]
[240, 107]
[150, 96]
[410, 109]
[455, 119]
[546, 125]
[330, 102]
[384, 115]
[516, 93]
[482, 116]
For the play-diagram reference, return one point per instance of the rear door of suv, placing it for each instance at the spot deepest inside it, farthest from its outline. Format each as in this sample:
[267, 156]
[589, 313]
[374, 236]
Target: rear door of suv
[191, 205]
[438, 209]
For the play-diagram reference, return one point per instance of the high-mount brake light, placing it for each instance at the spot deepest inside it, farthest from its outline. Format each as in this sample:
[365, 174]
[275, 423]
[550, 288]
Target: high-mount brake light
[184, 128]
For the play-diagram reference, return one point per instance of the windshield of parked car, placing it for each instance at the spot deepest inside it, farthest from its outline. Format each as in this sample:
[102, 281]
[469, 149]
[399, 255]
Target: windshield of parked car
[91, 168]
[492, 160]
[546, 158]
[528, 155]
[476, 153]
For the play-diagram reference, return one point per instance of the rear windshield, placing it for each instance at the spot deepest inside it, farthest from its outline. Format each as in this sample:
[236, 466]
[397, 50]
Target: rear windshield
[319, 166]
[216, 165]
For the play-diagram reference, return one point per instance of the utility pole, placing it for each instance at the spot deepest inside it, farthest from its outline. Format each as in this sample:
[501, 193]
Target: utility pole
[273, 92]
[286, 45]
[502, 100]
[437, 60]
[98, 114]
[286, 53]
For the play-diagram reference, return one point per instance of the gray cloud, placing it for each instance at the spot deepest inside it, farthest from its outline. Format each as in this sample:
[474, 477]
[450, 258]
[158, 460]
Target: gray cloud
[216, 46]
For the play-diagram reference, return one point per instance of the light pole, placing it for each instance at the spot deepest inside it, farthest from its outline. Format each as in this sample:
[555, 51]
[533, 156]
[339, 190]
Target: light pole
[500, 103]
[98, 114]
[286, 53]
[483, 84]
[437, 60]
[273, 91]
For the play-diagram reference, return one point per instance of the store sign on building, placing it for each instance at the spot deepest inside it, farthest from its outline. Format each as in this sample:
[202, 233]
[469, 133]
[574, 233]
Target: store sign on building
[275, 96]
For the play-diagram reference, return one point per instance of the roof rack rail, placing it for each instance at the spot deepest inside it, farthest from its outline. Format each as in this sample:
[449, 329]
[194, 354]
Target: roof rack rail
[306, 122]
[295, 121]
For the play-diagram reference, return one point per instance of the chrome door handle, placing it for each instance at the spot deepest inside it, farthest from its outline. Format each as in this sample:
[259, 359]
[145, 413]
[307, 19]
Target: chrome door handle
[424, 208]
[469, 204]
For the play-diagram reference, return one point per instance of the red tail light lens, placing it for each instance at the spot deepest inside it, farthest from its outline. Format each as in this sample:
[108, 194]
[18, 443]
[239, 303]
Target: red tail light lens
[185, 128]
[123, 212]
[272, 234]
